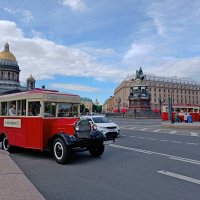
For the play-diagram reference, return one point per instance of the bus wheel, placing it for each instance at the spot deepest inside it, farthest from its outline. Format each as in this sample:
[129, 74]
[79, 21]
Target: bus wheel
[97, 151]
[5, 144]
[61, 152]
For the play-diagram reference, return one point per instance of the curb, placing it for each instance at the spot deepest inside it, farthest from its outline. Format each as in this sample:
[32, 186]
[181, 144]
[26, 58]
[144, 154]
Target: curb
[13, 182]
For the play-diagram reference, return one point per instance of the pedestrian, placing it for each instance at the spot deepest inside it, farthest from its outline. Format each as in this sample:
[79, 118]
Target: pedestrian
[185, 117]
[12, 110]
[177, 118]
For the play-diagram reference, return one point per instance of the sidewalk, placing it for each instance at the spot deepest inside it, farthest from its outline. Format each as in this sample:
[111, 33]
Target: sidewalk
[190, 126]
[14, 185]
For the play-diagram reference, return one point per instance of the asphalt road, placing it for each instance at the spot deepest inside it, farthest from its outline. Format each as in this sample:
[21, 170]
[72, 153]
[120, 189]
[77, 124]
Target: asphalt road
[146, 163]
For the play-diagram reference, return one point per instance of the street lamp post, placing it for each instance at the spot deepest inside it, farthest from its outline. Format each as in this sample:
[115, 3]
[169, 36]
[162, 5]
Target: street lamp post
[170, 109]
[160, 103]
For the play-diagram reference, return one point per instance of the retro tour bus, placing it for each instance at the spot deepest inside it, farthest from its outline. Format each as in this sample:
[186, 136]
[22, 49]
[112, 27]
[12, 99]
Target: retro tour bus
[47, 120]
[193, 110]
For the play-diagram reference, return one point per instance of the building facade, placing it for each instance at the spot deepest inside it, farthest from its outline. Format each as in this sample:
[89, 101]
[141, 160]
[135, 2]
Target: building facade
[9, 73]
[87, 103]
[181, 90]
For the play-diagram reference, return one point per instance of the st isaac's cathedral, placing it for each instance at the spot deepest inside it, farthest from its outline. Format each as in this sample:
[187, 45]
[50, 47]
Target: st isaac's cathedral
[9, 74]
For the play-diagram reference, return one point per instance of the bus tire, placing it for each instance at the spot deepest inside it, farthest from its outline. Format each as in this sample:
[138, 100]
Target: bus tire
[61, 151]
[5, 144]
[97, 150]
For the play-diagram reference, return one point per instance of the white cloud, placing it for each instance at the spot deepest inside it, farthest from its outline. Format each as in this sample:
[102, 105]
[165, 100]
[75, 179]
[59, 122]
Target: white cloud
[75, 5]
[9, 31]
[137, 50]
[9, 10]
[45, 59]
[187, 67]
[75, 87]
[27, 15]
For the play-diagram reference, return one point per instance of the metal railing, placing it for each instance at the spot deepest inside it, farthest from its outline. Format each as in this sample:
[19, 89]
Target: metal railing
[150, 115]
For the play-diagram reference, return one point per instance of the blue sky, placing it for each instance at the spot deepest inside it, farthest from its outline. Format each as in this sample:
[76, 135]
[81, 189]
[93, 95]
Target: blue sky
[88, 47]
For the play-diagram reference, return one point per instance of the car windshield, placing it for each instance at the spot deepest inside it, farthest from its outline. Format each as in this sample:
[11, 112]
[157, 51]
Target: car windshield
[100, 120]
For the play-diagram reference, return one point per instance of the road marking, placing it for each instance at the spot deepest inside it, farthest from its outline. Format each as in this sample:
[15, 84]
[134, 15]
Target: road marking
[141, 137]
[164, 140]
[196, 162]
[156, 130]
[176, 142]
[130, 148]
[192, 143]
[132, 136]
[172, 132]
[143, 129]
[131, 128]
[193, 134]
[151, 139]
[178, 176]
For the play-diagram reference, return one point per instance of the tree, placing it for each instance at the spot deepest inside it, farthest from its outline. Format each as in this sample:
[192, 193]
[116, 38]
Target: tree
[82, 108]
[96, 108]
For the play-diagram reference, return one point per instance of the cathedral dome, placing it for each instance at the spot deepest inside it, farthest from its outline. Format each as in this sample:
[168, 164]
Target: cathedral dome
[7, 56]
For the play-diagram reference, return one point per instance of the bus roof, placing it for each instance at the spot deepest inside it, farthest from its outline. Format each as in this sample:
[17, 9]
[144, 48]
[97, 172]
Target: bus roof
[40, 93]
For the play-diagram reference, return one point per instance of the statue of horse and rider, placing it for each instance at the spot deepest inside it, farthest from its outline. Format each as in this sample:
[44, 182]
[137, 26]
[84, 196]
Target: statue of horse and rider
[139, 74]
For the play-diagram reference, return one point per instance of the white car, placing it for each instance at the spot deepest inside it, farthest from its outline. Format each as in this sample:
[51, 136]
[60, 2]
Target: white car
[104, 125]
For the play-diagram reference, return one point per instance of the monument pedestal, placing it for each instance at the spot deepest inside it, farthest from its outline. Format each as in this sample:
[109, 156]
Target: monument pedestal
[139, 104]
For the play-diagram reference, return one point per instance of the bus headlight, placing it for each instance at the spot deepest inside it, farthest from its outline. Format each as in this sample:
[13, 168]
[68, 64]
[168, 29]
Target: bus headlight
[77, 128]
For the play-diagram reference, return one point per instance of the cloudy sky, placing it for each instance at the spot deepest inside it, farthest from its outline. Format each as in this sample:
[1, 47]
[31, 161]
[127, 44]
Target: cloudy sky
[88, 47]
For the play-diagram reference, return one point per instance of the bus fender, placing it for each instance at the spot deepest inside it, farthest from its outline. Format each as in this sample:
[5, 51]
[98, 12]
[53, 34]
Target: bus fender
[2, 135]
[66, 138]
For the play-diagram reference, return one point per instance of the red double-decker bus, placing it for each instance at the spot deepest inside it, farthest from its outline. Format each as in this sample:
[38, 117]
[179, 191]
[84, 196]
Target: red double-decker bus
[44, 119]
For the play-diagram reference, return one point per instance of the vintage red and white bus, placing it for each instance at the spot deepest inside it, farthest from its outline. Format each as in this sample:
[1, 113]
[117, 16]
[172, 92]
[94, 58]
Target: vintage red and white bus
[45, 119]
[194, 111]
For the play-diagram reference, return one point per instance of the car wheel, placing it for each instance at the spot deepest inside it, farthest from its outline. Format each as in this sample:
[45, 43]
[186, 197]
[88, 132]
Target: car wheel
[61, 152]
[5, 144]
[97, 151]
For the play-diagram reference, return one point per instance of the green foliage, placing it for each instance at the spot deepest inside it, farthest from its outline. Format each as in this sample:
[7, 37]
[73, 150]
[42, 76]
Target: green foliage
[96, 109]
[82, 107]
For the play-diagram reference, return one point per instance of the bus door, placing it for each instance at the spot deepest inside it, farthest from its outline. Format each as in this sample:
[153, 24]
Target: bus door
[34, 124]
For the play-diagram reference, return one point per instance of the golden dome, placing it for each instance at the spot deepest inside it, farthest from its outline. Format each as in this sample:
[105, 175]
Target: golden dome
[6, 54]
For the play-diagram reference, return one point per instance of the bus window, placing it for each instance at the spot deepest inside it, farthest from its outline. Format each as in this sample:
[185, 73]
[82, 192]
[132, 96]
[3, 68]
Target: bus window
[190, 110]
[21, 105]
[12, 108]
[75, 110]
[4, 108]
[34, 108]
[49, 109]
[64, 110]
